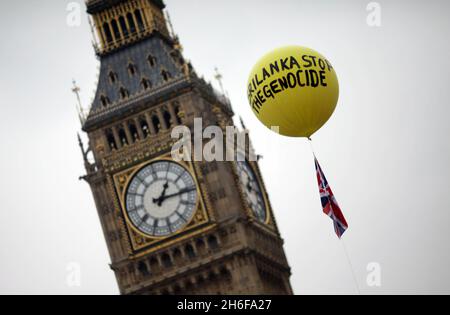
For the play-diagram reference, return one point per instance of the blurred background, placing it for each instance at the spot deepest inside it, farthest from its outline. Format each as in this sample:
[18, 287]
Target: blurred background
[385, 151]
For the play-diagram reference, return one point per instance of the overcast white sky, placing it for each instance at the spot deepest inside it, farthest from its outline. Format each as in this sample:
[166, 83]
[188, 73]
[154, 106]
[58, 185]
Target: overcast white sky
[385, 151]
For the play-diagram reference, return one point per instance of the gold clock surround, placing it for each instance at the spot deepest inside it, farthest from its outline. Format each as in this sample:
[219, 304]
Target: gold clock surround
[201, 221]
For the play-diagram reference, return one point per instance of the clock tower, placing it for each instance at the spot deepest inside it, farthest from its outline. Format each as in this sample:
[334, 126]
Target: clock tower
[171, 227]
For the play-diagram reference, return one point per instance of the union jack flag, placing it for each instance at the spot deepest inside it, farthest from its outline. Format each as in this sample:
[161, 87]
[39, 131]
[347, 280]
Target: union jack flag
[329, 203]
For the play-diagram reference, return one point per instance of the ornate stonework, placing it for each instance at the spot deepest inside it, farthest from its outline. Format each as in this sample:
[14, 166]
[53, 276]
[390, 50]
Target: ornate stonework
[145, 89]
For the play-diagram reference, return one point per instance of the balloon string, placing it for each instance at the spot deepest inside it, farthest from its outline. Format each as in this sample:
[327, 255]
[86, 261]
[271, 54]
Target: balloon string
[351, 267]
[342, 241]
[311, 145]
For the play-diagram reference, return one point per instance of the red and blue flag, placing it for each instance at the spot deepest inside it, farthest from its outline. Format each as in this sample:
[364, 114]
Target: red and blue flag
[329, 203]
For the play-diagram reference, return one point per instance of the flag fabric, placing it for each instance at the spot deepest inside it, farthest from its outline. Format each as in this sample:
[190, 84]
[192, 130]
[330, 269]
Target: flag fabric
[329, 203]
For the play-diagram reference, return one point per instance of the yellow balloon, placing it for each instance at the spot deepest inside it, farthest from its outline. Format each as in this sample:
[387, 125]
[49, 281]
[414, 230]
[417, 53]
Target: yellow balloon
[295, 89]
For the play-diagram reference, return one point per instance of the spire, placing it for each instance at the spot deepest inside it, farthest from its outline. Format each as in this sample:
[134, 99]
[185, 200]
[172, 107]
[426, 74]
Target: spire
[172, 33]
[94, 36]
[90, 167]
[224, 95]
[169, 22]
[219, 78]
[81, 115]
[80, 143]
[242, 123]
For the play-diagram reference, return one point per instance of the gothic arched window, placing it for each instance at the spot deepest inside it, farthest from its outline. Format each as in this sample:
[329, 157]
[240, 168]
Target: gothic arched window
[104, 100]
[201, 247]
[144, 127]
[139, 19]
[167, 119]
[146, 84]
[189, 251]
[111, 140]
[189, 285]
[166, 261]
[154, 264]
[112, 77]
[131, 23]
[166, 75]
[156, 123]
[132, 69]
[123, 26]
[116, 31]
[123, 137]
[151, 60]
[225, 273]
[133, 131]
[107, 32]
[212, 276]
[213, 243]
[143, 269]
[200, 279]
[177, 255]
[124, 93]
[177, 289]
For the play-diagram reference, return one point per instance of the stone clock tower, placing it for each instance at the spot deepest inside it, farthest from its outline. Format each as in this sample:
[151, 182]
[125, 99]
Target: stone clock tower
[171, 227]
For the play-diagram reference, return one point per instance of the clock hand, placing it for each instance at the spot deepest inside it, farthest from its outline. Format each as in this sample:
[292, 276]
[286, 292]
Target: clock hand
[181, 192]
[160, 200]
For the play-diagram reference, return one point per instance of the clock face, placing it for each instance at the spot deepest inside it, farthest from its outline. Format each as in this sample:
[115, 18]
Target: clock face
[252, 191]
[161, 199]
